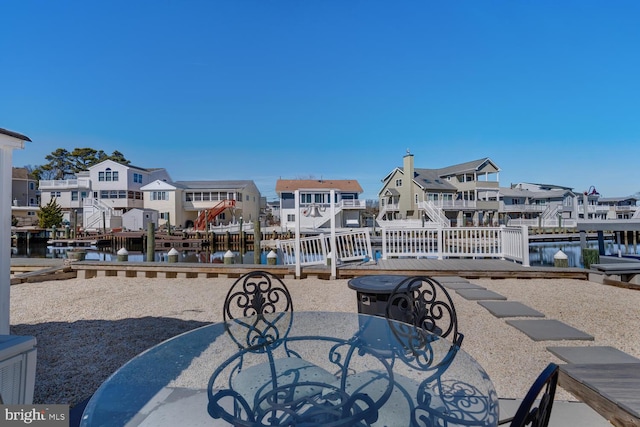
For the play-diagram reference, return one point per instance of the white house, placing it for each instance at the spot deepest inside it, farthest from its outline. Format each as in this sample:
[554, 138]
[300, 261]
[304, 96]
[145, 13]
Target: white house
[184, 203]
[101, 194]
[315, 202]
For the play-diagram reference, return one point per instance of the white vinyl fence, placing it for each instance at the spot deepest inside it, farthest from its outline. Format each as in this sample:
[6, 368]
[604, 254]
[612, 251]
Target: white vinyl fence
[350, 246]
[457, 242]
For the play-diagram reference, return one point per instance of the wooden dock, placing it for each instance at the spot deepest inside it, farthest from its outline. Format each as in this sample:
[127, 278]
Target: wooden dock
[467, 268]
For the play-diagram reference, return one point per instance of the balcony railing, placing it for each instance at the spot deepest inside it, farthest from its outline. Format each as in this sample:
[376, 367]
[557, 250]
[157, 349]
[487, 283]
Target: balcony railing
[60, 184]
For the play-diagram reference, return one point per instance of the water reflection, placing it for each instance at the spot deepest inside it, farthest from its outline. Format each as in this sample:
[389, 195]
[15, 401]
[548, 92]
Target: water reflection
[542, 253]
[41, 250]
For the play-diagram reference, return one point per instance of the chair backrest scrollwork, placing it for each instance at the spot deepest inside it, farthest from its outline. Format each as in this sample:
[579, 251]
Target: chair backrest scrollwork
[261, 308]
[425, 303]
[256, 293]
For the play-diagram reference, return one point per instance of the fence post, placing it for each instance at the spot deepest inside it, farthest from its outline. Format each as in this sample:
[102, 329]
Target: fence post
[525, 246]
[384, 242]
[440, 241]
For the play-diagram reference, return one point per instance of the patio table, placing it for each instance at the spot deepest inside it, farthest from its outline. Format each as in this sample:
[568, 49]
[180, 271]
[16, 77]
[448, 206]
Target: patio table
[367, 371]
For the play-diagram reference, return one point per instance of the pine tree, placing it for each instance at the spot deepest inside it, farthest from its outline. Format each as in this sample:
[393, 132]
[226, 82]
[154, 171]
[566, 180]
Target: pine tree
[50, 215]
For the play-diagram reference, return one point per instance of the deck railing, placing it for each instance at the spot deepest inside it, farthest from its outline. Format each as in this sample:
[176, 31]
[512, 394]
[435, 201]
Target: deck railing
[457, 242]
[314, 250]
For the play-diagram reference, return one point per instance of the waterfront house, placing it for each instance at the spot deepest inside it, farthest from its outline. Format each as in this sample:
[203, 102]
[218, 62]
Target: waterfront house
[538, 205]
[619, 207]
[184, 203]
[24, 197]
[458, 195]
[315, 203]
[97, 198]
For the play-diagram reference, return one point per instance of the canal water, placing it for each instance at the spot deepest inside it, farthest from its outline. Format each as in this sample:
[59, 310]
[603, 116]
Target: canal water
[540, 253]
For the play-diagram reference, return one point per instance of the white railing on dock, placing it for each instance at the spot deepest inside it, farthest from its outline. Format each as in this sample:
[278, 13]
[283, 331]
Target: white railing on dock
[457, 242]
[314, 250]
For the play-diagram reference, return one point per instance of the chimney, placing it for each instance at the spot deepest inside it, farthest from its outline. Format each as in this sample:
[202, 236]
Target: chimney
[408, 166]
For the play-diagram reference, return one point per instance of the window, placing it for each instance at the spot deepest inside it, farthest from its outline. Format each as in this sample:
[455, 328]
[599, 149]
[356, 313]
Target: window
[305, 198]
[318, 198]
[416, 197]
[74, 196]
[104, 194]
[398, 183]
[32, 186]
[122, 194]
[291, 217]
[115, 175]
[189, 197]
[206, 197]
[55, 194]
[100, 176]
[159, 195]
[137, 178]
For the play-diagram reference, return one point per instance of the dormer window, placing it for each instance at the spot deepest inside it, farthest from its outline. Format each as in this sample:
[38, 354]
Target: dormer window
[108, 175]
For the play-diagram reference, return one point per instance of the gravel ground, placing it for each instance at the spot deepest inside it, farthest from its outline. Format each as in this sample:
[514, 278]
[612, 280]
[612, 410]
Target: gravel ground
[87, 328]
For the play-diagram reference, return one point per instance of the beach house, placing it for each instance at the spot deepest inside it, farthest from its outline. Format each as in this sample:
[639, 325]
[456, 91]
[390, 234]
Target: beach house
[458, 195]
[538, 205]
[202, 204]
[315, 203]
[98, 197]
[24, 197]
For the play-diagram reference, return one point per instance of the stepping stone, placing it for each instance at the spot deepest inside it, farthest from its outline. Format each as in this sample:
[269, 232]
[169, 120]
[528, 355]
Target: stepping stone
[509, 309]
[479, 294]
[548, 330]
[461, 285]
[595, 354]
[450, 279]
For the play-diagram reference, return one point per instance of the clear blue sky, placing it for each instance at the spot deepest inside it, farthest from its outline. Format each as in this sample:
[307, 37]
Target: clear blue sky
[334, 89]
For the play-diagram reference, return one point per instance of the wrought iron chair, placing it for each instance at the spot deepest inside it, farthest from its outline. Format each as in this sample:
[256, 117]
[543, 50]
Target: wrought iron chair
[258, 314]
[544, 389]
[425, 303]
[427, 312]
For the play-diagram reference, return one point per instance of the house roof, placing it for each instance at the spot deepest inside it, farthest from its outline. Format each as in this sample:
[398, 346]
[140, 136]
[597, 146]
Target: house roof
[287, 185]
[541, 186]
[472, 166]
[14, 134]
[431, 180]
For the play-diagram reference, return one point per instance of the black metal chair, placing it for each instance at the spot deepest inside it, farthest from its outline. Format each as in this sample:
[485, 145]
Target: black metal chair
[258, 314]
[426, 304]
[542, 391]
[256, 293]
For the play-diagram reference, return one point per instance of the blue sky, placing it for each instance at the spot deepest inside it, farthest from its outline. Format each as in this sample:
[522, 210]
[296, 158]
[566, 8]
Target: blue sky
[334, 89]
